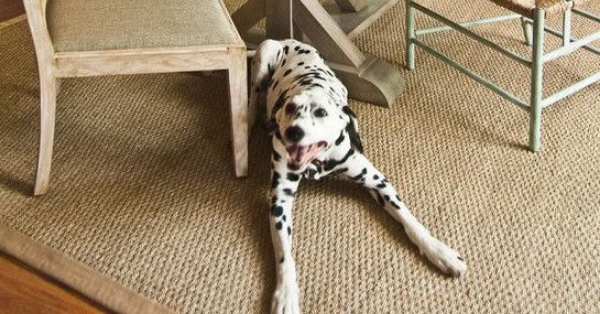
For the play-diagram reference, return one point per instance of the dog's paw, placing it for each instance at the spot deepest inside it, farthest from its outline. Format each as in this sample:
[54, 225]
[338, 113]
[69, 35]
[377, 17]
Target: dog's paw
[445, 258]
[286, 299]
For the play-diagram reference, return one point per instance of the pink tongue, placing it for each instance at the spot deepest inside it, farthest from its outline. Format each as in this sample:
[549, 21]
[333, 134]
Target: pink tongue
[304, 153]
[298, 154]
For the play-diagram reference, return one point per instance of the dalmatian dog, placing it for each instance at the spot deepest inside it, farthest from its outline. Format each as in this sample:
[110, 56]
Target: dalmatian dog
[315, 134]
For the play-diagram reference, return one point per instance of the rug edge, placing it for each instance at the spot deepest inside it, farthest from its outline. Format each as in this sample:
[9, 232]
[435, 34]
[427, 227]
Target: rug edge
[75, 275]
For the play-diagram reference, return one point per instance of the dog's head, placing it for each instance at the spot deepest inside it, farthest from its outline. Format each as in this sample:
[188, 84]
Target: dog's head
[311, 124]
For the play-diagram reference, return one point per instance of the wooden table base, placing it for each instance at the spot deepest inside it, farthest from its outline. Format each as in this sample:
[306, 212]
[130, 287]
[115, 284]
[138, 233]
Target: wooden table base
[368, 78]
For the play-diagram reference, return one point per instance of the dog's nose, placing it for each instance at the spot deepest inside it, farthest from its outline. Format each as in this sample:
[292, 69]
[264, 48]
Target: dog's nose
[294, 134]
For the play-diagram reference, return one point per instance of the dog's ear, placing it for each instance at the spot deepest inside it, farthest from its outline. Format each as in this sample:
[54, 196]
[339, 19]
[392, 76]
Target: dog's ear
[352, 129]
[272, 126]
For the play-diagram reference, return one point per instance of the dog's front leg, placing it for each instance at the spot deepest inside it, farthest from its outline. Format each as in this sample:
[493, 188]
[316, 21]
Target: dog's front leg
[363, 172]
[284, 185]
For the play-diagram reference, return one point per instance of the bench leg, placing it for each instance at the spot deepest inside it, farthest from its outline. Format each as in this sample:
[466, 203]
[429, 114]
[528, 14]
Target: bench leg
[537, 69]
[238, 99]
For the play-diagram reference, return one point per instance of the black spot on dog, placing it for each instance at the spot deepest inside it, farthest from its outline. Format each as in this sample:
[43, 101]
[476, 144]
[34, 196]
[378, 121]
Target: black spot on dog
[276, 210]
[275, 179]
[317, 85]
[273, 199]
[312, 75]
[307, 67]
[276, 156]
[282, 259]
[286, 73]
[283, 218]
[283, 62]
[375, 177]
[360, 175]
[305, 82]
[280, 102]
[354, 138]
[460, 258]
[296, 48]
[310, 173]
[332, 163]
[379, 198]
[386, 197]
[292, 166]
[348, 111]
[275, 85]
[300, 63]
[286, 49]
[272, 126]
[279, 225]
[293, 177]
[288, 192]
[340, 139]
[289, 230]
[278, 135]
[396, 206]
[380, 185]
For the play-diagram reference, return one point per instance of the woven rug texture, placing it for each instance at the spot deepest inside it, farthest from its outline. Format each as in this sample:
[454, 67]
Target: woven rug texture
[143, 191]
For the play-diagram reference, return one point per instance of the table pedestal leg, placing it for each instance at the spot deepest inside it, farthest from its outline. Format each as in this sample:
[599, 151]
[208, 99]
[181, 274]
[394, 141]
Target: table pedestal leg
[368, 78]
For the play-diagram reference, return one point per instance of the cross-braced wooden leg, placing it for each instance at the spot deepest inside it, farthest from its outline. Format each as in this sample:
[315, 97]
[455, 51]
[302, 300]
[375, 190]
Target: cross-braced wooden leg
[537, 75]
[238, 97]
[48, 90]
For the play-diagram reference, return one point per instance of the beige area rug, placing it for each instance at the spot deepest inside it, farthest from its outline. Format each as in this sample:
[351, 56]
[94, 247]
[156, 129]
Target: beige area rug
[143, 196]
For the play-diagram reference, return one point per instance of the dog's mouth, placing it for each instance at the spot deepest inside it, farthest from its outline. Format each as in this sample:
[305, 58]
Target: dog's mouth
[300, 155]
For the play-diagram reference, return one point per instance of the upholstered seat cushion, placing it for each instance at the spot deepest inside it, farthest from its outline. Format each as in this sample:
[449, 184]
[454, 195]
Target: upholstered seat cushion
[527, 7]
[89, 25]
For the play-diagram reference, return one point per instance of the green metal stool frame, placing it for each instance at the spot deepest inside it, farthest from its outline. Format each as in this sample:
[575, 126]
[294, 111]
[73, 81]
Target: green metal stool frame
[534, 37]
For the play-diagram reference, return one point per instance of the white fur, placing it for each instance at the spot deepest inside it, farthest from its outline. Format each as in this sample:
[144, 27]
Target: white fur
[277, 83]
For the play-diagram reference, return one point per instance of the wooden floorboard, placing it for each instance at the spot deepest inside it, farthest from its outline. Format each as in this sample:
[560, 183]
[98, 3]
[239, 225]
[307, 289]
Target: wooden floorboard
[10, 8]
[25, 292]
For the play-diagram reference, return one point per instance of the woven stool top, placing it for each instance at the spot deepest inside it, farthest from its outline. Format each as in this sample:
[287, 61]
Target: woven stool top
[527, 7]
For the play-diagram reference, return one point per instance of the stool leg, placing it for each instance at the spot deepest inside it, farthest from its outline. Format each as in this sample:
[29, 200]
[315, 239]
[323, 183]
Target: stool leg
[527, 30]
[535, 109]
[410, 34]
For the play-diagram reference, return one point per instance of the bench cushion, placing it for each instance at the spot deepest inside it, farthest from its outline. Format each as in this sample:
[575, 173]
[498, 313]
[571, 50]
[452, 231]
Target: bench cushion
[91, 25]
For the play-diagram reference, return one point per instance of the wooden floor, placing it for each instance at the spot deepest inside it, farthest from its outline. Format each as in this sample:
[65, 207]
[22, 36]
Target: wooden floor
[25, 292]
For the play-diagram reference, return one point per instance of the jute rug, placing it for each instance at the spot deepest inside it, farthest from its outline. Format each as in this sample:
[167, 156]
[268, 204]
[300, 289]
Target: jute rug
[145, 216]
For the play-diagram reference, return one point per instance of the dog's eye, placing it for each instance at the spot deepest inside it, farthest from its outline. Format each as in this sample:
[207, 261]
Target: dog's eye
[320, 113]
[290, 109]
